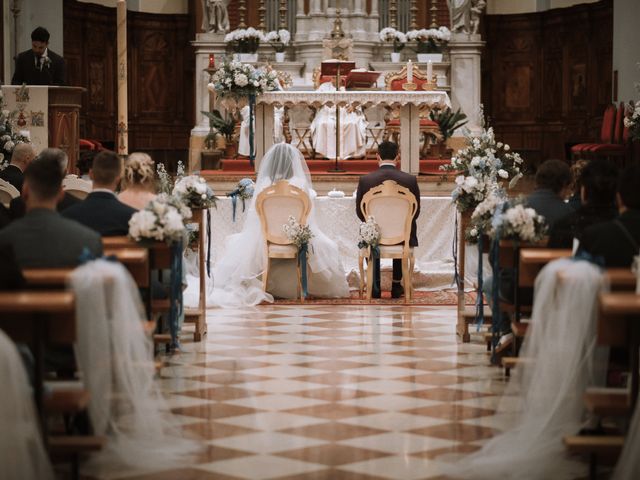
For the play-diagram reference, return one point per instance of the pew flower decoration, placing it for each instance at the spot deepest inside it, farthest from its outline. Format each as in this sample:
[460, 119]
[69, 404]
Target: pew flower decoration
[164, 179]
[243, 191]
[278, 39]
[194, 192]
[391, 35]
[369, 233]
[298, 234]
[430, 40]
[480, 166]
[519, 223]
[483, 215]
[161, 220]
[240, 80]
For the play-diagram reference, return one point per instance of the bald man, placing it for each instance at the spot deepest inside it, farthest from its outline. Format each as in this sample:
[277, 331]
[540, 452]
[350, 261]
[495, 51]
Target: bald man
[21, 157]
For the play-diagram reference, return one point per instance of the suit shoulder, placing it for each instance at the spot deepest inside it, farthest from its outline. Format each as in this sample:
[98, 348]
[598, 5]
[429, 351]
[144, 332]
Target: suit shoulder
[78, 229]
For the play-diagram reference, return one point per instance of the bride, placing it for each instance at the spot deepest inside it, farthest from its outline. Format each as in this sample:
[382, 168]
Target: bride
[236, 275]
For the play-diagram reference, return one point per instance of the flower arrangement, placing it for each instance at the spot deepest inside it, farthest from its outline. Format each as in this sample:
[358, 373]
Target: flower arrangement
[236, 79]
[481, 165]
[244, 189]
[161, 220]
[632, 120]
[391, 35]
[278, 39]
[165, 184]
[298, 234]
[483, 214]
[194, 192]
[8, 137]
[430, 40]
[520, 223]
[369, 233]
[244, 40]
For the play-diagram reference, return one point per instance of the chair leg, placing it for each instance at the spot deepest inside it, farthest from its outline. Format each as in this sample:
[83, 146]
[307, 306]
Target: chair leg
[299, 288]
[369, 278]
[405, 273]
[410, 276]
[361, 285]
[265, 275]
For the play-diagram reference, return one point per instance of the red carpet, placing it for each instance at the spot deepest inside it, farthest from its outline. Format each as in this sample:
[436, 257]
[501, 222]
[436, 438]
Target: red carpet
[241, 166]
[435, 297]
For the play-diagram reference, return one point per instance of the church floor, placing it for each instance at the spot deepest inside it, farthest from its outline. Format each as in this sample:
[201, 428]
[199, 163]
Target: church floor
[331, 392]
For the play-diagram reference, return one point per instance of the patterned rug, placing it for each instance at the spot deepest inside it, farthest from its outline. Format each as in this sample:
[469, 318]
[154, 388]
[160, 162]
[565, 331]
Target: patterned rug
[434, 297]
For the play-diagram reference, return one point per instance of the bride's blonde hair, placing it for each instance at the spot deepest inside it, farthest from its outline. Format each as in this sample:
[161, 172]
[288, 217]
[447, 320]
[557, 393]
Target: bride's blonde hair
[139, 169]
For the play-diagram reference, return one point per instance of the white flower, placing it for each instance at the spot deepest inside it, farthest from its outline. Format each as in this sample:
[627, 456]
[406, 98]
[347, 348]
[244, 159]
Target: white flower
[240, 79]
[460, 180]
[502, 173]
[506, 147]
[473, 232]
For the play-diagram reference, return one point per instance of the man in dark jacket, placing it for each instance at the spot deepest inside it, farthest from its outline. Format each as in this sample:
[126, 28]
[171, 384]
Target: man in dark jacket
[39, 66]
[101, 210]
[552, 179]
[387, 160]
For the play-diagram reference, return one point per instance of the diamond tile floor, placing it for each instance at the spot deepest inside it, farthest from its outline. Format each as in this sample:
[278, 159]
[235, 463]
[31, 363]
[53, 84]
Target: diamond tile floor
[331, 392]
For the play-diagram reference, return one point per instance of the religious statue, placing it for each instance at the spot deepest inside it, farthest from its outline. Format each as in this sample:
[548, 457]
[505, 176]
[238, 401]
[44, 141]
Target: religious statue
[214, 16]
[465, 15]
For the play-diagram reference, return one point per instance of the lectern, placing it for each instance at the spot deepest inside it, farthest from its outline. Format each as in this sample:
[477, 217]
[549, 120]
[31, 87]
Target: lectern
[64, 121]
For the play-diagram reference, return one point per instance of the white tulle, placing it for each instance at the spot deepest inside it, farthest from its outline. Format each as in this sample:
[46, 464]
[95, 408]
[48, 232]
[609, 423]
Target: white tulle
[116, 360]
[628, 465]
[22, 455]
[235, 276]
[547, 393]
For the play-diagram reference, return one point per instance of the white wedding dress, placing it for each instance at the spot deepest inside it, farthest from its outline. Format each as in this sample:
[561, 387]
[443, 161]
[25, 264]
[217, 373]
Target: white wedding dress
[22, 454]
[236, 276]
[545, 397]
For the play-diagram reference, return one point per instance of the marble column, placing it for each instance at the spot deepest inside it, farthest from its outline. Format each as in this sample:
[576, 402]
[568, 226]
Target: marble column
[465, 52]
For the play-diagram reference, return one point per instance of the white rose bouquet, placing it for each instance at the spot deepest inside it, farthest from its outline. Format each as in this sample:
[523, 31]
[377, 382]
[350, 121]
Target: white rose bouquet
[244, 40]
[298, 234]
[236, 80]
[520, 223]
[391, 35]
[369, 233]
[161, 220]
[194, 192]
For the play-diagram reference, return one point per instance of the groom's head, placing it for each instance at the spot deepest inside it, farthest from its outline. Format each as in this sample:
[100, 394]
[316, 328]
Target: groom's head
[387, 152]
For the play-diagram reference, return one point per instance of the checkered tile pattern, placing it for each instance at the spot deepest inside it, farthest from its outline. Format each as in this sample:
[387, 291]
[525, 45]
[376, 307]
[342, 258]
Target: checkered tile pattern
[331, 392]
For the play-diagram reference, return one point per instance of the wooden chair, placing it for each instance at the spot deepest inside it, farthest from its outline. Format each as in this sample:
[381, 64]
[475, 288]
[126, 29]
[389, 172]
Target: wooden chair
[606, 134]
[7, 193]
[429, 130]
[298, 118]
[393, 208]
[376, 121]
[274, 206]
[76, 186]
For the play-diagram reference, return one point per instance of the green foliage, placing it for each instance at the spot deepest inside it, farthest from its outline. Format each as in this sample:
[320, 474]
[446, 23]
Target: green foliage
[224, 125]
[448, 120]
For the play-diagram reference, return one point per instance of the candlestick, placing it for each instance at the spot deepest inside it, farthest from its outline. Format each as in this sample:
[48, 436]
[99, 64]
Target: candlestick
[409, 72]
[121, 45]
[212, 61]
[429, 70]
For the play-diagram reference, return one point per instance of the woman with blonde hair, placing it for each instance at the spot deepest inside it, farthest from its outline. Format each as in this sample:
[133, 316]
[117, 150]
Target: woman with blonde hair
[139, 181]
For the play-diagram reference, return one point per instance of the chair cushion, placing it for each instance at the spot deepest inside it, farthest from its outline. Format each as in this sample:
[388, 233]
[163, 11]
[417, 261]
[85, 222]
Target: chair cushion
[288, 251]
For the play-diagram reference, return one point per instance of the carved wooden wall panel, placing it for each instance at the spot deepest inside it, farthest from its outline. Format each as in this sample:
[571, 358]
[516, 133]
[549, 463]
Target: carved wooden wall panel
[547, 76]
[160, 76]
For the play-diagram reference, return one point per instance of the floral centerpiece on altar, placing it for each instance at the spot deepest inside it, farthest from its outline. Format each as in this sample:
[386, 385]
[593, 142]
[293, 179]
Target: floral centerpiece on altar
[278, 39]
[161, 220]
[430, 41]
[396, 38]
[244, 40]
[238, 80]
[194, 192]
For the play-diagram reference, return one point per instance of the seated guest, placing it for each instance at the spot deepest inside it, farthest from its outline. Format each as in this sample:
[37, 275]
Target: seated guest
[576, 172]
[552, 179]
[21, 156]
[42, 238]
[5, 216]
[597, 186]
[17, 206]
[101, 210]
[618, 241]
[139, 181]
[84, 164]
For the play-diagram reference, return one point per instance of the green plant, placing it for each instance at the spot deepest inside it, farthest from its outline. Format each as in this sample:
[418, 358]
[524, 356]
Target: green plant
[448, 120]
[224, 125]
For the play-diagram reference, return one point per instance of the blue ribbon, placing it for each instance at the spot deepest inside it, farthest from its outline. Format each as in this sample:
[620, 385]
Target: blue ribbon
[479, 302]
[454, 252]
[87, 256]
[208, 243]
[302, 261]
[234, 200]
[495, 320]
[175, 292]
[252, 106]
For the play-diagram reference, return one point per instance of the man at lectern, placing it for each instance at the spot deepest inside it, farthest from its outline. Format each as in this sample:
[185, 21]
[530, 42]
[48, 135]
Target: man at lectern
[39, 66]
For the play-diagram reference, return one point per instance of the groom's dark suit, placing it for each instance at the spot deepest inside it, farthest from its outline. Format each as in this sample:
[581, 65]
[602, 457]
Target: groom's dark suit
[29, 71]
[102, 212]
[375, 178]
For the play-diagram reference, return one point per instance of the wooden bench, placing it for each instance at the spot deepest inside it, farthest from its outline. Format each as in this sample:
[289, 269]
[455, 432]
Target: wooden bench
[71, 448]
[608, 402]
[621, 279]
[532, 260]
[597, 448]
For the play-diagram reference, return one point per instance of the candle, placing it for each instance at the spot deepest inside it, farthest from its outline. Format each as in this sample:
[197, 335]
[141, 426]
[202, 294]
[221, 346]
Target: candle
[409, 72]
[121, 44]
[212, 61]
[429, 71]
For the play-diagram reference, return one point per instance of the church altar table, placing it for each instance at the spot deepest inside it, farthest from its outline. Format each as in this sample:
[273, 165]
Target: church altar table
[409, 103]
[336, 217]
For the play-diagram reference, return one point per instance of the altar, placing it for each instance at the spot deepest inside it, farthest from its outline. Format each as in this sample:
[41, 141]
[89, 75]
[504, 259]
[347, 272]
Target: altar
[409, 103]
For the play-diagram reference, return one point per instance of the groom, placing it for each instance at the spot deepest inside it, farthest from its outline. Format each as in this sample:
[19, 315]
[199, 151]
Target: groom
[387, 161]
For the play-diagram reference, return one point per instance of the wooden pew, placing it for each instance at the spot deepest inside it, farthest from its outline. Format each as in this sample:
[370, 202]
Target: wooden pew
[532, 260]
[622, 279]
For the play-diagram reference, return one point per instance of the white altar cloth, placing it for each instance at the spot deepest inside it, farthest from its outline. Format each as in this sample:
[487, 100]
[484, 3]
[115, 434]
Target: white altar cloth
[336, 217]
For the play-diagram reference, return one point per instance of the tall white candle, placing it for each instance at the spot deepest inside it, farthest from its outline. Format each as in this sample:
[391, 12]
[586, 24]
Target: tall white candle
[429, 71]
[122, 135]
[410, 72]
